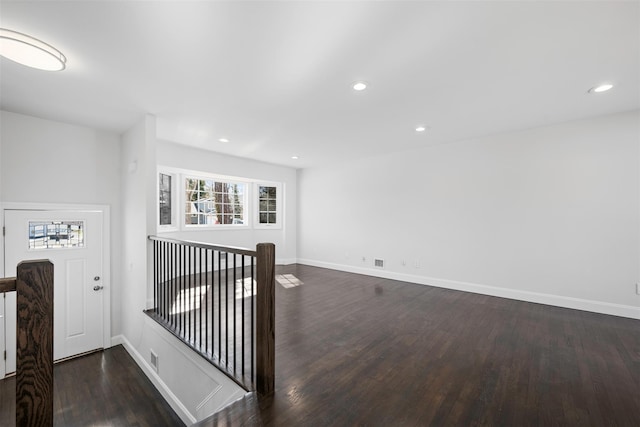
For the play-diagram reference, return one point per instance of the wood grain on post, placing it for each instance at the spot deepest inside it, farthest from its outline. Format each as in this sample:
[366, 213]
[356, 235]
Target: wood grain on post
[34, 359]
[265, 318]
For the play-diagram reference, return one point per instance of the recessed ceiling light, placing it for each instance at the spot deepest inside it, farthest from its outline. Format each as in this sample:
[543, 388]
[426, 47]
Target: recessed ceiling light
[421, 128]
[295, 157]
[359, 86]
[31, 52]
[223, 140]
[601, 88]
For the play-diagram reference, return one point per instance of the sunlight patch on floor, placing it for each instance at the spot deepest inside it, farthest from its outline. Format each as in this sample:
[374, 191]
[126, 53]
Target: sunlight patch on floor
[188, 299]
[246, 288]
[288, 280]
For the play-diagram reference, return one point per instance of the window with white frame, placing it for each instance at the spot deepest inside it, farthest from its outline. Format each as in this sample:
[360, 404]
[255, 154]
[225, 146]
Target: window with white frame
[189, 200]
[165, 199]
[268, 205]
[214, 202]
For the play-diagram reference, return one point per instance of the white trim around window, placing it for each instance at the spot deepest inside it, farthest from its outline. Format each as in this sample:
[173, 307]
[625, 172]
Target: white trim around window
[214, 202]
[267, 206]
[167, 200]
[241, 207]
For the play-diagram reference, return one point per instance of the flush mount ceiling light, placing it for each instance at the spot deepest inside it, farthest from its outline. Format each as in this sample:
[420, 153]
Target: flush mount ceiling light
[31, 52]
[359, 86]
[421, 128]
[295, 157]
[601, 88]
[223, 140]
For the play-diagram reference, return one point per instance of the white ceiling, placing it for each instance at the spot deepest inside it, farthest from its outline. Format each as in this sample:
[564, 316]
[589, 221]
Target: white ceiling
[274, 76]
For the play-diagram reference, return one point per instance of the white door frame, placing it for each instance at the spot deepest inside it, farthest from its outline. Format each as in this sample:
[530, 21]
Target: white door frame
[106, 254]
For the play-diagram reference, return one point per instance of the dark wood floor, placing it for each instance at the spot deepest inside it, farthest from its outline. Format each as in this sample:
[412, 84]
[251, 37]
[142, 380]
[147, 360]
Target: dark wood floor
[101, 389]
[357, 350]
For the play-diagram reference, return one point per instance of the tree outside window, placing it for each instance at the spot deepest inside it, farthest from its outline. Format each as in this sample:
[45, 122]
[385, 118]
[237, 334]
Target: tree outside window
[214, 202]
[268, 206]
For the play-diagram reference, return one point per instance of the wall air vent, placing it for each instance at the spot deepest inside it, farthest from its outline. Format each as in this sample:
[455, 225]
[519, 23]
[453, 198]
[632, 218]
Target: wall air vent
[379, 263]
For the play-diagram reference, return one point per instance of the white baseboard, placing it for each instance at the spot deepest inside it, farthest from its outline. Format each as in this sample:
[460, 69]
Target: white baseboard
[286, 261]
[535, 297]
[168, 395]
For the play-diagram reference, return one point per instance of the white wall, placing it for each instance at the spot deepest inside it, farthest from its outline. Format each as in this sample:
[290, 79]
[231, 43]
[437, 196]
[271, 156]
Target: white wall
[137, 145]
[53, 162]
[193, 387]
[547, 215]
[184, 157]
[57, 163]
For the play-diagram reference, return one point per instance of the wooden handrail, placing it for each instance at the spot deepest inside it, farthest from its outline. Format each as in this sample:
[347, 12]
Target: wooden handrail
[203, 245]
[7, 284]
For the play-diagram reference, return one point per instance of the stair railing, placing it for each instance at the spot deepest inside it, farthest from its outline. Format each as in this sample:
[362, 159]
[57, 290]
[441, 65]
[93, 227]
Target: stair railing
[220, 302]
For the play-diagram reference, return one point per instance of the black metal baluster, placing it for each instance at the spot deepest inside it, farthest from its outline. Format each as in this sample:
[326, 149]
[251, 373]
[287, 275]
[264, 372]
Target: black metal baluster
[167, 283]
[213, 303]
[226, 308]
[220, 308]
[242, 321]
[194, 295]
[234, 313]
[160, 276]
[160, 269]
[206, 301]
[172, 286]
[253, 336]
[175, 302]
[181, 295]
[197, 331]
[163, 274]
[185, 293]
[176, 290]
[199, 296]
[155, 276]
[189, 325]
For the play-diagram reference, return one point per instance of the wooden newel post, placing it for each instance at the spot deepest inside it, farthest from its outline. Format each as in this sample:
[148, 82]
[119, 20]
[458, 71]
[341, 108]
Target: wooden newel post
[34, 358]
[265, 318]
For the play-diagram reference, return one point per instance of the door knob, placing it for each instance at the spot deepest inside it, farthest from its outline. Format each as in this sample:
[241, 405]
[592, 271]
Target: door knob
[96, 278]
[97, 288]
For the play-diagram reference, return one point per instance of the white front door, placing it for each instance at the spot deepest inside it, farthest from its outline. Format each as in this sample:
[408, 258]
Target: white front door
[73, 242]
